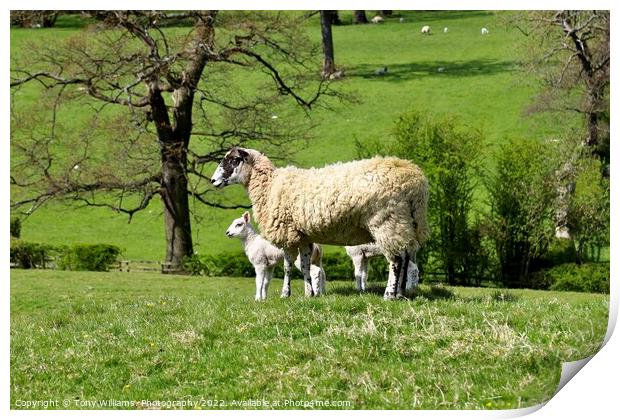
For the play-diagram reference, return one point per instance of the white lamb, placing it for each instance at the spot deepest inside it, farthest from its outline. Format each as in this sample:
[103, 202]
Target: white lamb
[381, 200]
[264, 256]
[426, 29]
[377, 19]
[484, 31]
[360, 254]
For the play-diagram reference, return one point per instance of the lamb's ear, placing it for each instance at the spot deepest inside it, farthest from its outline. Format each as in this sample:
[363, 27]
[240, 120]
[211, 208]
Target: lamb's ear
[246, 217]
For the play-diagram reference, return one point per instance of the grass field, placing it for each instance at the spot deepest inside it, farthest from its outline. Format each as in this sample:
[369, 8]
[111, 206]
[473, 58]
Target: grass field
[82, 337]
[460, 72]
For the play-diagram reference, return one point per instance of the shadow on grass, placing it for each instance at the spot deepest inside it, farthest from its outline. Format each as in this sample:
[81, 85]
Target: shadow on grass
[434, 15]
[504, 296]
[409, 71]
[432, 292]
[350, 290]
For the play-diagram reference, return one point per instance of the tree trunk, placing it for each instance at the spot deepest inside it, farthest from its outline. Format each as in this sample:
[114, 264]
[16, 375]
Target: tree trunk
[335, 18]
[174, 140]
[174, 195]
[359, 16]
[49, 18]
[329, 66]
[174, 192]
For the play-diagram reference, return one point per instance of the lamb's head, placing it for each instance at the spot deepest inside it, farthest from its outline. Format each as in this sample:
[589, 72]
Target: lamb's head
[235, 168]
[239, 228]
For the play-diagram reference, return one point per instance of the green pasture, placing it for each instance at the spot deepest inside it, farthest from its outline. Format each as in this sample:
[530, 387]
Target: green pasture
[85, 336]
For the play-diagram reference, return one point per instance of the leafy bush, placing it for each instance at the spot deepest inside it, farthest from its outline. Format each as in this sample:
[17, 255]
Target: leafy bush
[338, 266]
[83, 257]
[16, 227]
[449, 153]
[589, 209]
[591, 277]
[522, 191]
[29, 254]
[195, 266]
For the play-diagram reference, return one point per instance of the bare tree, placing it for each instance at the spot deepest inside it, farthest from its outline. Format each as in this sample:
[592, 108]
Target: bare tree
[569, 51]
[329, 64]
[34, 18]
[144, 93]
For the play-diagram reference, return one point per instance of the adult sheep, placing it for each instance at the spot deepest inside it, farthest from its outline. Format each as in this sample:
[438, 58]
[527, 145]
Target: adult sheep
[381, 200]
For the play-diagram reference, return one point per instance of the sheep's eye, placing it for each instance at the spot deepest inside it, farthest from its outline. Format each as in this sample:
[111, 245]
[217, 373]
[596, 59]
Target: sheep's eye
[239, 224]
[238, 159]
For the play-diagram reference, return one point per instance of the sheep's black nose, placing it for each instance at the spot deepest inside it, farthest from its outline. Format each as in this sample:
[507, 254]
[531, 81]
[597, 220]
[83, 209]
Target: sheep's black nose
[212, 180]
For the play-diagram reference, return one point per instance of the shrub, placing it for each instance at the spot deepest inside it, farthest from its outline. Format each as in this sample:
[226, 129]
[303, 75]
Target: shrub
[449, 154]
[16, 227]
[521, 191]
[591, 277]
[29, 254]
[96, 257]
[337, 265]
[589, 209]
[195, 266]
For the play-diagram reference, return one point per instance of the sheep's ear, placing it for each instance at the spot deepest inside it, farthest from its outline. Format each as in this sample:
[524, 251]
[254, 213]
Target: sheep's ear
[244, 155]
[246, 217]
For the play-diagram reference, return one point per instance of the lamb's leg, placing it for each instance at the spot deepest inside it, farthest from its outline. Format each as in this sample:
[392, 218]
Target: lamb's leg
[323, 279]
[364, 273]
[413, 277]
[357, 264]
[268, 277]
[305, 252]
[317, 287]
[260, 278]
[402, 280]
[288, 268]
[396, 265]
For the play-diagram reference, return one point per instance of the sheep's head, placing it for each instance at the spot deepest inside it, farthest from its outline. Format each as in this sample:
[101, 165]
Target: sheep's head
[239, 227]
[235, 168]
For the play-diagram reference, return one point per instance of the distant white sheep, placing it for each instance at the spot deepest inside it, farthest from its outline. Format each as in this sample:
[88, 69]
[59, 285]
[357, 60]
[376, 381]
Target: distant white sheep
[445, 30]
[484, 31]
[377, 19]
[382, 200]
[426, 30]
[360, 254]
[264, 256]
[339, 74]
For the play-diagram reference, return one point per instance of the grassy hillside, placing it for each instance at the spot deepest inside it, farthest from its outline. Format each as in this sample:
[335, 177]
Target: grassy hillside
[459, 72]
[83, 337]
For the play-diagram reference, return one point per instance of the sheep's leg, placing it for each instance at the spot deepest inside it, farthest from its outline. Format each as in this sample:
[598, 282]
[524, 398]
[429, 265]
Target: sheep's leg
[268, 275]
[288, 268]
[357, 264]
[396, 265]
[260, 278]
[305, 252]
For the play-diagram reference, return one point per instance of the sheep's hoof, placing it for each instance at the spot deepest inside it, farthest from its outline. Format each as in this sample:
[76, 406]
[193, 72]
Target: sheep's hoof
[285, 295]
[389, 296]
